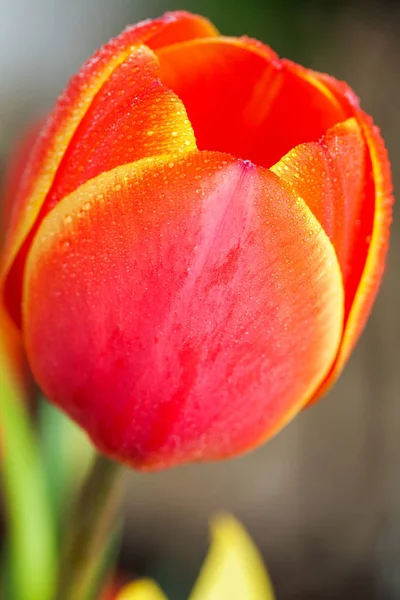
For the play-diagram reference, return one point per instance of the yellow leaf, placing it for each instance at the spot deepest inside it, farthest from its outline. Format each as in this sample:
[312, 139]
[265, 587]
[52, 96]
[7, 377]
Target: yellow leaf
[143, 589]
[233, 569]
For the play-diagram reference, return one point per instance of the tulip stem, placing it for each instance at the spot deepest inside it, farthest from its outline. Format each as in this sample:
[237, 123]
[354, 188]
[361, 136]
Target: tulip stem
[90, 531]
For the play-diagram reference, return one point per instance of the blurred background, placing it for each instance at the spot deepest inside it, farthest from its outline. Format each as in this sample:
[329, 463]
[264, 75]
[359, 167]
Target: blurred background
[322, 500]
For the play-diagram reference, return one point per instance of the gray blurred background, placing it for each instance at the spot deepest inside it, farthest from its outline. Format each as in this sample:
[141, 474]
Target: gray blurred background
[322, 500]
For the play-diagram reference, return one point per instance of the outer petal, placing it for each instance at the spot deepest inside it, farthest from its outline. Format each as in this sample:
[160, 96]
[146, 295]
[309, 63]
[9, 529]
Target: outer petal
[241, 99]
[72, 106]
[171, 310]
[233, 569]
[132, 117]
[332, 176]
[378, 200]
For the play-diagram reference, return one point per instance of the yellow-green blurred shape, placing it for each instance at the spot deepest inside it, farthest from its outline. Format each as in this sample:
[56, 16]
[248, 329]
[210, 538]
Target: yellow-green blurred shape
[233, 569]
[12, 364]
[31, 547]
[144, 589]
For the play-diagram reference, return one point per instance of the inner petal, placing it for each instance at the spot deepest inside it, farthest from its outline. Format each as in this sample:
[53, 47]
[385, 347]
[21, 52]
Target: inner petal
[242, 100]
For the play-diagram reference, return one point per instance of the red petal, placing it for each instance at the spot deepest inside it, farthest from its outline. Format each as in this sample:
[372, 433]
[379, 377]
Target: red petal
[379, 201]
[242, 100]
[182, 310]
[102, 120]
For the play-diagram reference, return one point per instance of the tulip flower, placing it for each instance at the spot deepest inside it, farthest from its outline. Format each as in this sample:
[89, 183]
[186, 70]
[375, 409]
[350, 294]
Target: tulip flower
[196, 242]
[233, 570]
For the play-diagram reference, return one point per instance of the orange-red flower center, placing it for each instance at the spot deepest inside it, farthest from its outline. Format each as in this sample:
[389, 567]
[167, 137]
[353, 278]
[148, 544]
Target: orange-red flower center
[242, 100]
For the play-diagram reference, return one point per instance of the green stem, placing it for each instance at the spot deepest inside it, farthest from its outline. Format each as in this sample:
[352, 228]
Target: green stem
[91, 530]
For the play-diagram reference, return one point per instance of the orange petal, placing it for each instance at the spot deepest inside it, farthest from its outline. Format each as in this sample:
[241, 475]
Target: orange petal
[172, 28]
[242, 100]
[133, 116]
[103, 119]
[332, 177]
[172, 312]
[380, 196]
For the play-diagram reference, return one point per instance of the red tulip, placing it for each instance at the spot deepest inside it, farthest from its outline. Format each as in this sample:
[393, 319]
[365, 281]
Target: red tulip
[196, 243]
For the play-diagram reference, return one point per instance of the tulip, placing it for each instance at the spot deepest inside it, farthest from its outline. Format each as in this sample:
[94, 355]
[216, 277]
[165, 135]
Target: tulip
[196, 242]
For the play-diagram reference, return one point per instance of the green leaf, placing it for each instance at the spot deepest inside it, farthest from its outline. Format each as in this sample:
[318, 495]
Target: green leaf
[31, 542]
